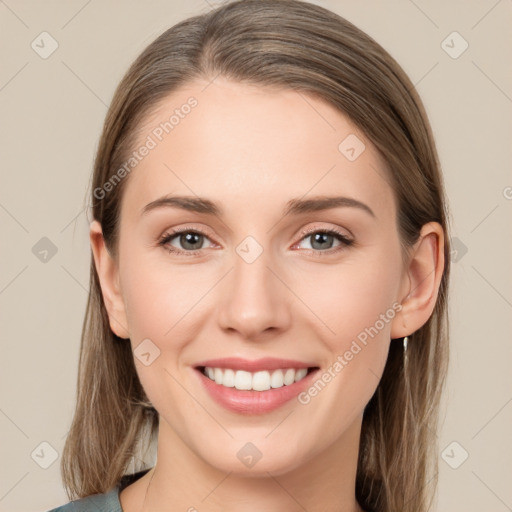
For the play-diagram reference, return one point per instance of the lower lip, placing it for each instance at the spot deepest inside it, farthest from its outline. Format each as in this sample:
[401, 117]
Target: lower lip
[253, 402]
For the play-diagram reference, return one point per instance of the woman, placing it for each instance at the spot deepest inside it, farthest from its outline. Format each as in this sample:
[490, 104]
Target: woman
[269, 275]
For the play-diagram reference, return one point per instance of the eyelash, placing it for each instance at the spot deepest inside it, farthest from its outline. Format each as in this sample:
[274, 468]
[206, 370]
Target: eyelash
[345, 241]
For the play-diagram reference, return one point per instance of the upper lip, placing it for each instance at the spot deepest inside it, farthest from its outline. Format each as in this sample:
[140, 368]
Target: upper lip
[266, 363]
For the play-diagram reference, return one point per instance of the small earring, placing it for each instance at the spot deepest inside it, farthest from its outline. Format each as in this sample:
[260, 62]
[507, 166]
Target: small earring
[406, 341]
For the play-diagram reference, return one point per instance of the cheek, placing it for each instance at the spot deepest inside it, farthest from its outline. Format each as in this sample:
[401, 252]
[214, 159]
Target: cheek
[350, 298]
[358, 304]
[159, 301]
[160, 297]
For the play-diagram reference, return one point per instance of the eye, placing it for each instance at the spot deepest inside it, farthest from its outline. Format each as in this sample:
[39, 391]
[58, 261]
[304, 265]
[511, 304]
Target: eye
[189, 242]
[184, 241]
[325, 240]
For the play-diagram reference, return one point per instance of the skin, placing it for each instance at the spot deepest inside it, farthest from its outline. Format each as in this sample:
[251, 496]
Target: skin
[251, 150]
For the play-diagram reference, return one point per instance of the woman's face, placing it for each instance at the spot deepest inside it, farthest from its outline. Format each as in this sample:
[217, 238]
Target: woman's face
[288, 250]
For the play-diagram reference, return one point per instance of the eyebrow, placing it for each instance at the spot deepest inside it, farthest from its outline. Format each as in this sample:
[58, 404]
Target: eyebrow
[294, 206]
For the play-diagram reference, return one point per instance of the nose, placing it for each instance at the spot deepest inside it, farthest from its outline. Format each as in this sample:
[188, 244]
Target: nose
[254, 300]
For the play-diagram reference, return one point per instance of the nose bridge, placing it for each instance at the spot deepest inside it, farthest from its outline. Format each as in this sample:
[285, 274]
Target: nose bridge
[254, 298]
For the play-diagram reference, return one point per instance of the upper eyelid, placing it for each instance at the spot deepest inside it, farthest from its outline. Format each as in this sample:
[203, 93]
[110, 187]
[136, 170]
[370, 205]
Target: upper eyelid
[303, 232]
[316, 229]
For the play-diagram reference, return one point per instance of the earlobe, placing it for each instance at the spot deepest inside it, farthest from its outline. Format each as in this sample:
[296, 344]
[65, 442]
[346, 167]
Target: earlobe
[107, 270]
[421, 279]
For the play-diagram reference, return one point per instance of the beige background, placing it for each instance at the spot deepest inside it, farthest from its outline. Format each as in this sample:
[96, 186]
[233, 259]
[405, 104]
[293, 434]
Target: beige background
[52, 111]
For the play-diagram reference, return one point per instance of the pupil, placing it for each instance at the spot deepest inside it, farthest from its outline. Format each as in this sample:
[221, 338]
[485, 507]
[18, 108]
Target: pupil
[321, 238]
[190, 240]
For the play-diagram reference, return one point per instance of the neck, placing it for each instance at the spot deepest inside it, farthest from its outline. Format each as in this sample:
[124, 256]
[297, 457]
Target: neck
[181, 480]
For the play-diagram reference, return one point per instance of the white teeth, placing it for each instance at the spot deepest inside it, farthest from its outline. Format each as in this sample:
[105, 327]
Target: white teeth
[228, 379]
[261, 381]
[243, 380]
[300, 374]
[257, 381]
[276, 380]
[289, 377]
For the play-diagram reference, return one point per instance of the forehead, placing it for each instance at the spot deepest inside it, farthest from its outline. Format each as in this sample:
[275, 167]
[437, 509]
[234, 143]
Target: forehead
[247, 145]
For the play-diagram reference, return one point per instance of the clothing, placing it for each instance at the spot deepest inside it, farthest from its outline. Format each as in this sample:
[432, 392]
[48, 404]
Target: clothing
[106, 502]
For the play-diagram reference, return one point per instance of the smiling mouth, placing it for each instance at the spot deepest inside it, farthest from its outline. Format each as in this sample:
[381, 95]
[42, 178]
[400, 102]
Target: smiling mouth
[255, 381]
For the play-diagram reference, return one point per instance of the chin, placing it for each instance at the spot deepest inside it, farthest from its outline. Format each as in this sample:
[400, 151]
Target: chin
[253, 459]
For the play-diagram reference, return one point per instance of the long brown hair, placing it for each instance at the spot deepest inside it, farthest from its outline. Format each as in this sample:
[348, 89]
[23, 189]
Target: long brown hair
[294, 45]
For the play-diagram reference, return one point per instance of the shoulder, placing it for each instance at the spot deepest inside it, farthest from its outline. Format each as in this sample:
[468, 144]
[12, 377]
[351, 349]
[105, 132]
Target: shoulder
[106, 502]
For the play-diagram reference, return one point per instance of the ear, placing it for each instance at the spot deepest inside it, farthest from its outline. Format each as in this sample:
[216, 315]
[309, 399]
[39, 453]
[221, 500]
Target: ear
[108, 274]
[420, 282]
